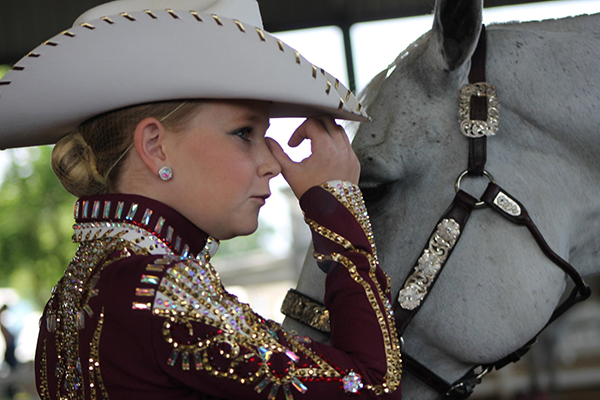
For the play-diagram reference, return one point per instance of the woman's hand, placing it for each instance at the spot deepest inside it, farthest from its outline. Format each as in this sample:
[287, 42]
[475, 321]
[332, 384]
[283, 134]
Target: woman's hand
[332, 156]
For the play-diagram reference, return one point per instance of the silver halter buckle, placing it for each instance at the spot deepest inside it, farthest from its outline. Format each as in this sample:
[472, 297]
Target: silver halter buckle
[473, 128]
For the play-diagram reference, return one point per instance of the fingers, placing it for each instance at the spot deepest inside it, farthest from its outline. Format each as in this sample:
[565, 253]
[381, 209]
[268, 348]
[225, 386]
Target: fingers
[280, 156]
[314, 129]
[333, 129]
[298, 136]
[332, 157]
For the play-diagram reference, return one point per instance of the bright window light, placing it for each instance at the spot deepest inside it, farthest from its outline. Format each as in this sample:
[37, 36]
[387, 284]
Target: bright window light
[377, 44]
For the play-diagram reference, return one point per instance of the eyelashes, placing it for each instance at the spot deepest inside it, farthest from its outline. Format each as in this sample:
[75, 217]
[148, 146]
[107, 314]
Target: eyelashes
[244, 133]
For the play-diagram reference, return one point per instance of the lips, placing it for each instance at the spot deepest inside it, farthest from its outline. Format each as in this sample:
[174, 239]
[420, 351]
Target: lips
[261, 198]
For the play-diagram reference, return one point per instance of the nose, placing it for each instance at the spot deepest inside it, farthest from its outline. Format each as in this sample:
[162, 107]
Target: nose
[268, 165]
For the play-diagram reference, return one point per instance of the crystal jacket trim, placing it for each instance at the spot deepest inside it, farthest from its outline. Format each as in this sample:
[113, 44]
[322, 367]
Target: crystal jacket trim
[146, 319]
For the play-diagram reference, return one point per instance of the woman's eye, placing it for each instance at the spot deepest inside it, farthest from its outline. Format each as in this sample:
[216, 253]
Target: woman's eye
[244, 133]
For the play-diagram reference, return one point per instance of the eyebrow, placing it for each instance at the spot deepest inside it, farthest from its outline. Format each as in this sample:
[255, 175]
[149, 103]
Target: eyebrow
[253, 117]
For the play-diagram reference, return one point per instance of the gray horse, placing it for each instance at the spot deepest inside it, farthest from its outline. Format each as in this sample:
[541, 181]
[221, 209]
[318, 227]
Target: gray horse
[498, 289]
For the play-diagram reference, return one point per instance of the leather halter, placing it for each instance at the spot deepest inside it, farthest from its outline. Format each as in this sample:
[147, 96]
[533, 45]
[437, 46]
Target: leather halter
[507, 206]
[442, 242]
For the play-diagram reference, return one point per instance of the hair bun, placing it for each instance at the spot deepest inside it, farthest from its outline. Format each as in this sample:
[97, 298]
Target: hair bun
[74, 164]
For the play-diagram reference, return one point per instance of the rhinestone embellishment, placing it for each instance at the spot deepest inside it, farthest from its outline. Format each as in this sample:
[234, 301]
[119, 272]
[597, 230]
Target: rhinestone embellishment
[429, 264]
[165, 173]
[507, 204]
[410, 297]
[352, 382]
[473, 128]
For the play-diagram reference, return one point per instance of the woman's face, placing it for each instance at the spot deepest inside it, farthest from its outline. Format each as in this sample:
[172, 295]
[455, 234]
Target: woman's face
[221, 167]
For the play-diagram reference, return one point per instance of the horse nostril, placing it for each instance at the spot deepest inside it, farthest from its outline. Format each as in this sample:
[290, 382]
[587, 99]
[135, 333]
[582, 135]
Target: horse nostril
[373, 192]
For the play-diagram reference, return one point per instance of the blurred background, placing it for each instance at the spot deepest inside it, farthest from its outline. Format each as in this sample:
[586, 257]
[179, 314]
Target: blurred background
[353, 40]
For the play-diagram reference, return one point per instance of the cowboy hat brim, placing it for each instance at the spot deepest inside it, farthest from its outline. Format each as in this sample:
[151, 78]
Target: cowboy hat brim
[131, 58]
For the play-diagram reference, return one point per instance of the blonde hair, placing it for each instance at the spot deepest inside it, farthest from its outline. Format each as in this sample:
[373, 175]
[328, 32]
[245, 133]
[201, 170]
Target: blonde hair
[89, 160]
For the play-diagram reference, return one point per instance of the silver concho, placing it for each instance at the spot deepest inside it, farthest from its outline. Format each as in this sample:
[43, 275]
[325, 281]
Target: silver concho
[472, 128]
[507, 204]
[429, 264]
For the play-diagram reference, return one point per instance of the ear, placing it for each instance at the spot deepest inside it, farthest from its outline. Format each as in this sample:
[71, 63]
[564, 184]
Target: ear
[148, 140]
[456, 28]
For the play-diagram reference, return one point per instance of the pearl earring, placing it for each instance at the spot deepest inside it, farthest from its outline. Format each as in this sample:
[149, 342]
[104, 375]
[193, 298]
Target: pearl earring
[165, 173]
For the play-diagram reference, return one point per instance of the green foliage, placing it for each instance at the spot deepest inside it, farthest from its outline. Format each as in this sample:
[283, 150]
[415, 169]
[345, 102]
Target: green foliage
[36, 216]
[3, 69]
[245, 244]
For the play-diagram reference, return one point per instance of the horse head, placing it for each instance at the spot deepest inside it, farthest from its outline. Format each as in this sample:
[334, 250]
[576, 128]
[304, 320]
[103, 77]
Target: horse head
[498, 289]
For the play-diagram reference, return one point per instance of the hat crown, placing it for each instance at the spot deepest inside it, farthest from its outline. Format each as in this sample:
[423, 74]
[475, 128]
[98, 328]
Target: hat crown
[246, 11]
[132, 52]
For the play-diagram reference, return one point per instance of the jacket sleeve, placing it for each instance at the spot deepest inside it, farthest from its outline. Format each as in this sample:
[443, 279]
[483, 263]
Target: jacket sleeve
[208, 341]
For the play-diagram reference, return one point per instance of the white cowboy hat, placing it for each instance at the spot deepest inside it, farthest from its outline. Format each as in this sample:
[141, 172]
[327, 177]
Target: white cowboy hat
[131, 52]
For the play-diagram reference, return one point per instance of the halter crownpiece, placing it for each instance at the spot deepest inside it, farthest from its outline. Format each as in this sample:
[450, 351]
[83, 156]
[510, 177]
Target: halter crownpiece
[478, 102]
[131, 52]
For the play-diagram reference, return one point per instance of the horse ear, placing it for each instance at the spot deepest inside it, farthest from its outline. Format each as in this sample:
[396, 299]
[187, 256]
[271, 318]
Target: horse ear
[456, 28]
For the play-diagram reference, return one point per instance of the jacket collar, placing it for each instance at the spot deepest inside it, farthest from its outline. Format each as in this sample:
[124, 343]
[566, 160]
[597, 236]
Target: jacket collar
[147, 222]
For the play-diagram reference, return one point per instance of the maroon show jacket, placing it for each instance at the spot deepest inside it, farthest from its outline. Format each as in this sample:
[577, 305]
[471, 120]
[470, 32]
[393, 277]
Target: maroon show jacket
[141, 314]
